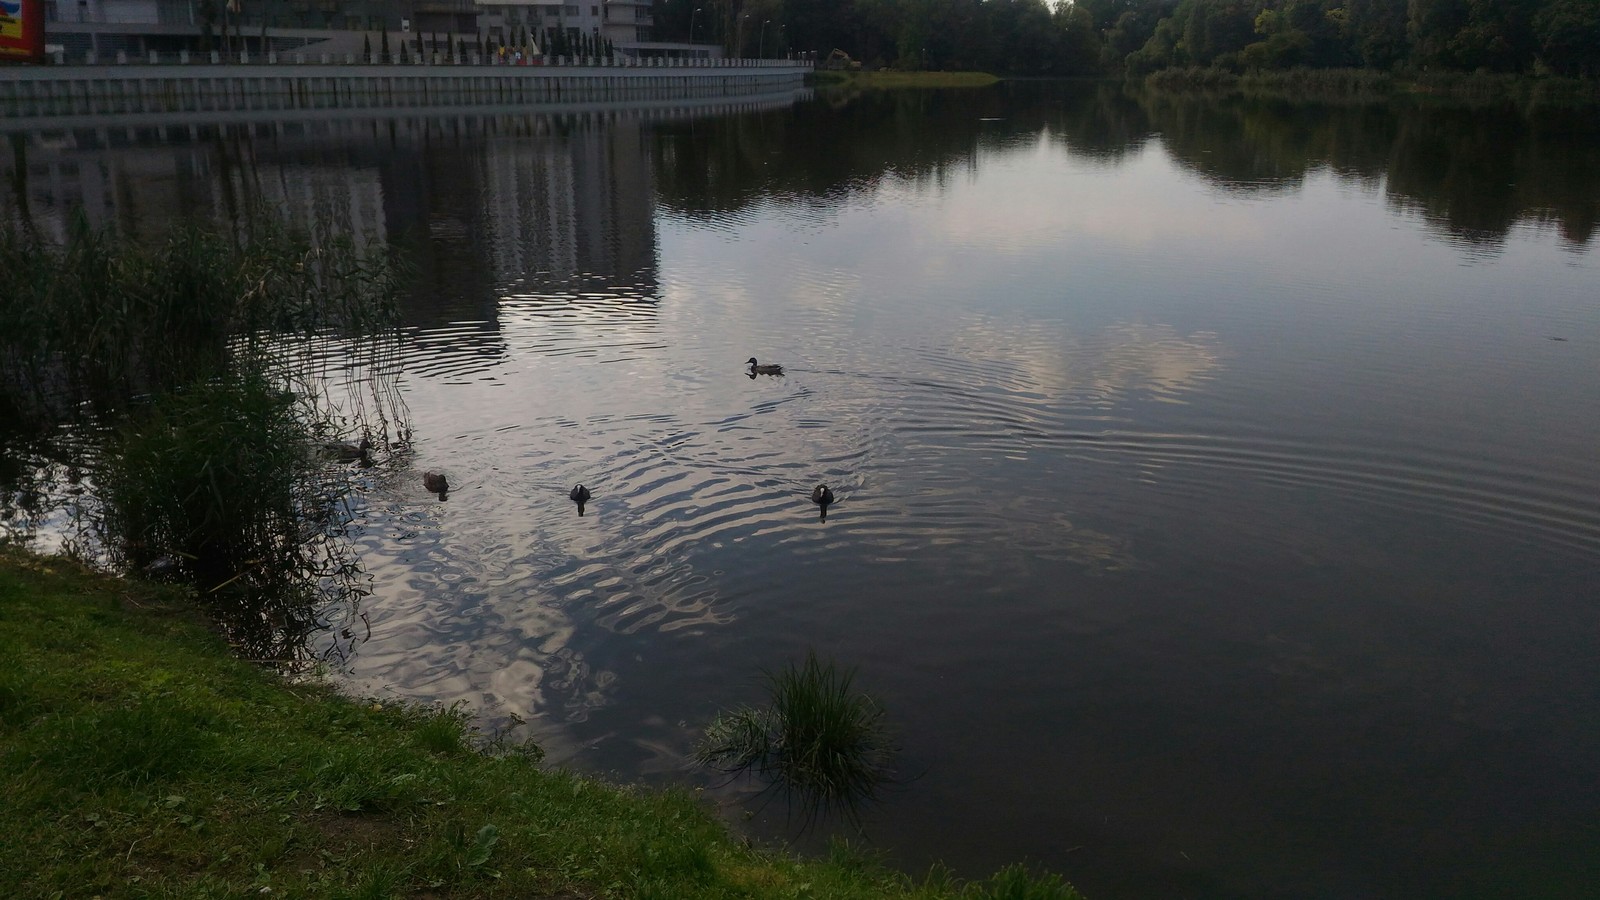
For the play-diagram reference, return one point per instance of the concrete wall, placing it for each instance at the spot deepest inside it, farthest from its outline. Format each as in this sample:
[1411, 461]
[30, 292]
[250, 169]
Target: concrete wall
[42, 95]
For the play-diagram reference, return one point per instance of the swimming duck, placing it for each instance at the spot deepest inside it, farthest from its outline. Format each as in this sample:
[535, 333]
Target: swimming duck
[344, 451]
[821, 496]
[436, 483]
[758, 369]
[580, 495]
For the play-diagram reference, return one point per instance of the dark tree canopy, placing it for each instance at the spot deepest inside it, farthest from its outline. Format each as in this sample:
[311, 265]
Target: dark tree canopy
[1080, 37]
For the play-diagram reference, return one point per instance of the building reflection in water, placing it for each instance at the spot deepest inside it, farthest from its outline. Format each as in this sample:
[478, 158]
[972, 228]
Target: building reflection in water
[482, 204]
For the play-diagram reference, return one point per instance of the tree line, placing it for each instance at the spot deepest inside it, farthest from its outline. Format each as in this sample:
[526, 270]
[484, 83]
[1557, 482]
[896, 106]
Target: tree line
[1083, 37]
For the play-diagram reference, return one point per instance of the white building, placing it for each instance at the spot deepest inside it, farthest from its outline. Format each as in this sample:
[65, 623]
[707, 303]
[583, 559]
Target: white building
[502, 21]
[138, 27]
[628, 24]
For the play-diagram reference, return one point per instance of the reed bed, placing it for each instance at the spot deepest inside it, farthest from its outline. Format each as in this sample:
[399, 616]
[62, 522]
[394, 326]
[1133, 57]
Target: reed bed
[185, 384]
[1369, 85]
[217, 484]
[1339, 84]
[107, 318]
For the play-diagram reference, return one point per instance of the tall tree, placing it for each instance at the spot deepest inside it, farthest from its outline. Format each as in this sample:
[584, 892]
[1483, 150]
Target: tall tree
[1376, 32]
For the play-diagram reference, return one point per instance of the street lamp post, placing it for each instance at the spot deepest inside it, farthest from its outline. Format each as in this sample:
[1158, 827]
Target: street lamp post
[762, 44]
[691, 23]
[738, 39]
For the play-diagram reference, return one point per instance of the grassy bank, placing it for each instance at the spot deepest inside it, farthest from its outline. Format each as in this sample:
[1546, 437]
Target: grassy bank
[886, 80]
[139, 758]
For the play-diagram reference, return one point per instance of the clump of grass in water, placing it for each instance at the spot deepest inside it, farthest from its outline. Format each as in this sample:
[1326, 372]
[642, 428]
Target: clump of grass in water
[819, 740]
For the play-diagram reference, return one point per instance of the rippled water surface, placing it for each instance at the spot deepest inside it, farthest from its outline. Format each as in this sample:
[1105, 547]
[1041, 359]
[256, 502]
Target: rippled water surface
[1219, 505]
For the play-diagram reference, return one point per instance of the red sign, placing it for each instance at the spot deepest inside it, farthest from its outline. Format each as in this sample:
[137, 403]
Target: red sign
[21, 30]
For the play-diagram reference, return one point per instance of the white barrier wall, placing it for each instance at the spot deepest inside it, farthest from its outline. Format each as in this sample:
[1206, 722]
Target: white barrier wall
[48, 91]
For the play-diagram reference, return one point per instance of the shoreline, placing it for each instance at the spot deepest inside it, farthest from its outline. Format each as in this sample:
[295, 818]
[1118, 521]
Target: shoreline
[886, 80]
[142, 757]
[1373, 84]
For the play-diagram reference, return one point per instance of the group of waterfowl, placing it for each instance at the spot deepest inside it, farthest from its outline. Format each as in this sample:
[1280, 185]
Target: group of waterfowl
[437, 483]
[822, 496]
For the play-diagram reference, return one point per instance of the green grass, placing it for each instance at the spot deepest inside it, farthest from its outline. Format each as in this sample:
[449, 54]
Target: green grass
[139, 759]
[885, 80]
[819, 740]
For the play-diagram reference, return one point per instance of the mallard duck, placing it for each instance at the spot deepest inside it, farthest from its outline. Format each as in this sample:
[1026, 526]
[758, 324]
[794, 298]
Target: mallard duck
[580, 495]
[758, 369]
[344, 451]
[436, 483]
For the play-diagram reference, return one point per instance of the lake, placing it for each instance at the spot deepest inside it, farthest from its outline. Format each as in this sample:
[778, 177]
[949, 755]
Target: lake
[1218, 497]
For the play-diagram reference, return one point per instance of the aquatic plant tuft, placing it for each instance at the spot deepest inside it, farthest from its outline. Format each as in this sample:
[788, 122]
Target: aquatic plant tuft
[819, 740]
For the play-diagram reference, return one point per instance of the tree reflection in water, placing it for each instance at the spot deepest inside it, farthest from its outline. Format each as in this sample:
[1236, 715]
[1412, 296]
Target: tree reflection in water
[1473, 171]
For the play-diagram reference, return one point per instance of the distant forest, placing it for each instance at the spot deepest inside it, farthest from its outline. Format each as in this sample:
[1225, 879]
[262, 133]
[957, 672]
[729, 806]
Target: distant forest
[1088, 37]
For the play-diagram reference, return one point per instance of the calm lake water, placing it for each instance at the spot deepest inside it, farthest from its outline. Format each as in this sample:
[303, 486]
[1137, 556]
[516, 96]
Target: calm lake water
[1219, 503]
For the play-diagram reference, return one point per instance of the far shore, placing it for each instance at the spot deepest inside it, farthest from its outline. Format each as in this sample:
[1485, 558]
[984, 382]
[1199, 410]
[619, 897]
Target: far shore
[890, 79]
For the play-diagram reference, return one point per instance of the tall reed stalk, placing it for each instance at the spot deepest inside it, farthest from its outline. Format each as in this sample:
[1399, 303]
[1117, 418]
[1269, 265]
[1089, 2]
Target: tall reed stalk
[103, 318]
